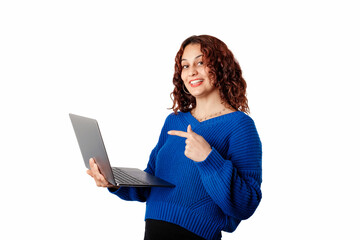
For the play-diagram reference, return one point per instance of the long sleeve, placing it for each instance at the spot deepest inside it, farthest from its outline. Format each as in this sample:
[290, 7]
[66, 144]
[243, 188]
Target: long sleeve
[234, 183]
[210, 196]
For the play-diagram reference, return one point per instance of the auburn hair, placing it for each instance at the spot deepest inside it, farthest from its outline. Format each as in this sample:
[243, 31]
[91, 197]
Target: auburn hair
[224, 69]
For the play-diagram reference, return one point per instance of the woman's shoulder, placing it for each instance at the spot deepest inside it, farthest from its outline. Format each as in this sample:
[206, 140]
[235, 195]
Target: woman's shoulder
[174, 117]
[245, 116]
[239, 116]
[242, 122]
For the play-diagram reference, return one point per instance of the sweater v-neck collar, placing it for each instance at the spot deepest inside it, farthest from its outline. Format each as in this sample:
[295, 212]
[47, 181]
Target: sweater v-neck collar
[194, 122]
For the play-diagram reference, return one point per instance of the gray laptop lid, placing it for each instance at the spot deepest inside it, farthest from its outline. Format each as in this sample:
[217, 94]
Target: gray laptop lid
[91, 145]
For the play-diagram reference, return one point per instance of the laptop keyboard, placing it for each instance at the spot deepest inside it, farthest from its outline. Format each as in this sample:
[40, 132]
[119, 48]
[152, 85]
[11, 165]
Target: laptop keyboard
[122, 177]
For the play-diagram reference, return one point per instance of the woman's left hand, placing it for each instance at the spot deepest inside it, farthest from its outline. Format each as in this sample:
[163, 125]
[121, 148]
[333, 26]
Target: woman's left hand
[197, 148]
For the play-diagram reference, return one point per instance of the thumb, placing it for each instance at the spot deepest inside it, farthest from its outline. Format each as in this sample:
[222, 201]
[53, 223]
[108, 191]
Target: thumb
[189, 130]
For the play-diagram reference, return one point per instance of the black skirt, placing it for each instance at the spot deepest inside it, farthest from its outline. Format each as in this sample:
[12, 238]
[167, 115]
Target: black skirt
[160, 230]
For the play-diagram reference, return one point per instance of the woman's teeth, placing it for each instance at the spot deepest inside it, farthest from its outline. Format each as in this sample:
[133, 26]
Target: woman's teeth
[195, 82]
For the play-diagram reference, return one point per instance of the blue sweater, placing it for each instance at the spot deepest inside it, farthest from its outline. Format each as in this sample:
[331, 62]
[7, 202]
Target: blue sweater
[210, 196]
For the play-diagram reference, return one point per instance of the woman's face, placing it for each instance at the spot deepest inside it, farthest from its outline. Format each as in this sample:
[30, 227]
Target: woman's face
[194, 73]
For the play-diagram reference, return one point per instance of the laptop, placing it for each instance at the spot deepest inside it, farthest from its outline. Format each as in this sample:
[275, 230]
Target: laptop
[91, 145]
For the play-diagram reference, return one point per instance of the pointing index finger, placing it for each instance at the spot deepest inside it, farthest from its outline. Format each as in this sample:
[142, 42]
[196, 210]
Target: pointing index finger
[178, 133]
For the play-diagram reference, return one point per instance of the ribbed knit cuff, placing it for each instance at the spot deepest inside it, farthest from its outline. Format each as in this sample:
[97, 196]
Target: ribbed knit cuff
[212, 163]
[113, 190]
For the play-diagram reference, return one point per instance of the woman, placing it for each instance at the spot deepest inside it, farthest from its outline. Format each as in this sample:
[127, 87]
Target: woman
[208, 148]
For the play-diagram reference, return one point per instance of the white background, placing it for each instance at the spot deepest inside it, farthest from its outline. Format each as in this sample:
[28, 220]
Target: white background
[113, 61]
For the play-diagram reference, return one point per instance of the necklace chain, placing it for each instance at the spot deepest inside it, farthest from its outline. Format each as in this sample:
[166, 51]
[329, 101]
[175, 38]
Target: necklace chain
[206, 117]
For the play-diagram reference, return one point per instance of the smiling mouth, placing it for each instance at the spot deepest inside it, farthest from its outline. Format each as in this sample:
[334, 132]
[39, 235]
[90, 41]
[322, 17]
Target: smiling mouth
[195, 83]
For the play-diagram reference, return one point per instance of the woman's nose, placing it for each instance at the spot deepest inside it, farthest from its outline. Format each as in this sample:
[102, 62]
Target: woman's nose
[192, 71]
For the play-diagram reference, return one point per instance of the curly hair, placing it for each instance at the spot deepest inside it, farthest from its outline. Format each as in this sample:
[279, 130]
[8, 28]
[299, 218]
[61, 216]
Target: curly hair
[223, 68]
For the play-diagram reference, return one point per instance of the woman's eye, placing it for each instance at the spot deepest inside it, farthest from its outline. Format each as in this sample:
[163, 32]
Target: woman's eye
[200, 63]
[185, 66]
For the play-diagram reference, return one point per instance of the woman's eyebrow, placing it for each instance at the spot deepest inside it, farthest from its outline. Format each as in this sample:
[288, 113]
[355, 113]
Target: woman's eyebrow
[194, 58]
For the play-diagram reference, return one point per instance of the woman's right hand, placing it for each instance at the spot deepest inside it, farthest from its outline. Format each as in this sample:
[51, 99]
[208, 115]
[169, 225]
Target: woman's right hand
[95, 173]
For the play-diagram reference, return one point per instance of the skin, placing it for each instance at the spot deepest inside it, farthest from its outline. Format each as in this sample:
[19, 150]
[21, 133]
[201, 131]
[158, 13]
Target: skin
[197, 148]
[95, 173]
[207, 96]
[208, 101]
[193, 68]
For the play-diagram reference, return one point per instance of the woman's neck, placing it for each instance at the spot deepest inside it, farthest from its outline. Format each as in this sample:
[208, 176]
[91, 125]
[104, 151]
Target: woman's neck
[209, 107]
